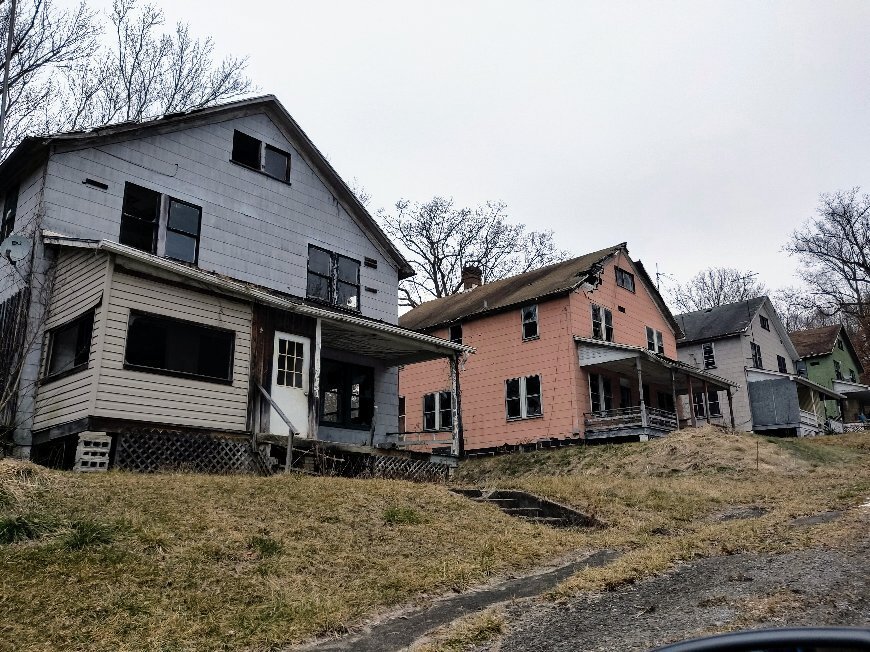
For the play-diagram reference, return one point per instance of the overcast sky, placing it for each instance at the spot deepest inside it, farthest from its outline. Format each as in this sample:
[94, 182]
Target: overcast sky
[701, 133]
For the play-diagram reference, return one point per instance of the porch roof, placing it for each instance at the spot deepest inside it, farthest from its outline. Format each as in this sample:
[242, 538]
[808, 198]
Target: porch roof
[620, 357]
[392, 344]
[755, 375]
[853, 390]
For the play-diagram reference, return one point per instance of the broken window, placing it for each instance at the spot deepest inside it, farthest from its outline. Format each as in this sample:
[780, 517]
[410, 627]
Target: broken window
[624, 396]
[140, 217]
[179, 348]
[781, 364]
[665, 401]
[333, 278]
[600, 393]
[401, 414]
[10, 208]
[700, 411]
[713, 403]
[530, 322]
[709, 356]
[182, 231]
[602, 323]
[838, 370]
[348, 392]
[69, 346]
[625, 279]
[756, 355]
[456, 333]
[438, 411]
[764, 321]
[255, 154]
[655, 340]
[523, 397]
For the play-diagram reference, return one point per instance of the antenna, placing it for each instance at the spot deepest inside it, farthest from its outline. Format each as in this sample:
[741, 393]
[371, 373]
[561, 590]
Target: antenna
[660, 276]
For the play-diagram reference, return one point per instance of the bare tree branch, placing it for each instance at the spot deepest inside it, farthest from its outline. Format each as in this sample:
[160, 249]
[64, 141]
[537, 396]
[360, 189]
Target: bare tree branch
[715, 286]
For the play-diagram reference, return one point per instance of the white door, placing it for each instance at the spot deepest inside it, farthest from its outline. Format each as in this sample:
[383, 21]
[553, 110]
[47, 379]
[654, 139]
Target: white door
[290, 383]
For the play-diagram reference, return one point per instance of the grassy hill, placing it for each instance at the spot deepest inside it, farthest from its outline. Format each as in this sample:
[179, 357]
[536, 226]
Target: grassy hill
[122, 561]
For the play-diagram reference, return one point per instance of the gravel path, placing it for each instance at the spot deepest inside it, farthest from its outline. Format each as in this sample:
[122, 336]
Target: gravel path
[810, 587]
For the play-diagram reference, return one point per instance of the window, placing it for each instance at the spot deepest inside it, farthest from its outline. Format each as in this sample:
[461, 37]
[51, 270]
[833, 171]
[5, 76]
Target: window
[838, 370]
[852, 375]
[764, 321]
[781, 365]
[801, 368]
[625, 279]
[601, 397]
[756, 355]
[602, 323]
[401, 414]
[291, 357]
[348, 394]
[253, 153]
[438, 411]
[69, 346]
[140, 217]
[10, 208]
[523, 397]
[665, 401]
[840, 343]
[655, 340]
[179, 348]
[530, 322]
[456, 333]
[333, 278]
[182, 231]
[709, 356]
[624, 396]
[698, 400]
[713, 403]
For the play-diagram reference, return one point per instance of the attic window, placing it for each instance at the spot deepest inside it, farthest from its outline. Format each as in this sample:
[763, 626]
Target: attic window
[10, 207]
[140, 217]
[246, 150]
[625, 279]
[456, 333]
[255, 154]
[765, 322]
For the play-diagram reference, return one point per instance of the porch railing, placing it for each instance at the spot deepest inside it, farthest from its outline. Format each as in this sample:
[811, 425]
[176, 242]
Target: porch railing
[631, 417]
[810, 419]
[423, 438]
[835, 425]
[856, 426]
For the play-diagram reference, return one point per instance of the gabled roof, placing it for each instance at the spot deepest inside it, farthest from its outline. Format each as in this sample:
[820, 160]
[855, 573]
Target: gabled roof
[722, 321]
[32, 150]
[816, 342]
[525, 288]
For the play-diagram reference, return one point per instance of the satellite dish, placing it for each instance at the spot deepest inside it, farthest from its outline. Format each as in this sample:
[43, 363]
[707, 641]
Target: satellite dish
[15, 248]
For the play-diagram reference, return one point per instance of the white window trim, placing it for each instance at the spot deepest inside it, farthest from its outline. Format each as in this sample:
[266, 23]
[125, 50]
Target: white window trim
[658, 340]
[524, 407]
[438, 427]
[601, 396]
[605, 336]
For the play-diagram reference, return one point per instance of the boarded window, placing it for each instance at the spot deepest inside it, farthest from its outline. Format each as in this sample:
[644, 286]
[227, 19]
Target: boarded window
[709, 356]
[140, 217]
[10, 208]
[246, 150]
[182, 231]
[276, 163]
[625, 279]
[69, 346]
[530, 322]
[348, 392]
[179, 348]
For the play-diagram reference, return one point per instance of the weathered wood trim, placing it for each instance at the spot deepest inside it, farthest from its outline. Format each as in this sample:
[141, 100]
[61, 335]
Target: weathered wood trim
[101, 332]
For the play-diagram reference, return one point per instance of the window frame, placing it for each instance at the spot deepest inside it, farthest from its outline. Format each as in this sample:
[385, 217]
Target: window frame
[603, 390]
[853, 377]
[699, 407]
[764, 322]
[713, 400]
[261, 157]
[709, 360]
[334, 279]
[624, 278]
[452, 333]
[781, 364]
[757, 359]
[345, 394]
[439, 410]
[7, 219]
[840, 344]
[535, 321]
[523, 397]
[172, 372]
[657, 340]
[155, 236]
[605, 321]
[86, 318]
[838, 370]
[169, 201]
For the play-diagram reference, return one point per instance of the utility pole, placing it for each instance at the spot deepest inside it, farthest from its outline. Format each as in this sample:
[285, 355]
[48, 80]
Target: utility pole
[5, 101]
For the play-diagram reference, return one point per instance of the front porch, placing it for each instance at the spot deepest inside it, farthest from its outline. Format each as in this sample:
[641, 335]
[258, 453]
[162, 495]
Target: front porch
[649, 389]
[790, 404]
[855, 406]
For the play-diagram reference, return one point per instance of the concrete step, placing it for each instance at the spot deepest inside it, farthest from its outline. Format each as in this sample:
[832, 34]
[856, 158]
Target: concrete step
[527, 512]
[551, 521]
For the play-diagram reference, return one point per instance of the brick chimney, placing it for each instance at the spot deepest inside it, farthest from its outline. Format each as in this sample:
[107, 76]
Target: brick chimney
[472, 276]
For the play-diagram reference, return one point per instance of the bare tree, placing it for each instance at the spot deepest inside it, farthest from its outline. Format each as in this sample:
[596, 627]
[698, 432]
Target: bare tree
[715, 286]
[68, 78]
[797, 311]
[440, 239]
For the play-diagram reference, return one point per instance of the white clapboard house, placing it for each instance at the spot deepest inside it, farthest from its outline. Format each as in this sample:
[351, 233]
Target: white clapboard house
[203, 275]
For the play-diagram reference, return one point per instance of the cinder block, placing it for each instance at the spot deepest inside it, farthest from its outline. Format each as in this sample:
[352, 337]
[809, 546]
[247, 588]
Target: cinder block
[92, 453]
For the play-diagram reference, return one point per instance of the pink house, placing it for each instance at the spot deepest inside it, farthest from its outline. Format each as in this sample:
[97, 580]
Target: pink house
[585, 348]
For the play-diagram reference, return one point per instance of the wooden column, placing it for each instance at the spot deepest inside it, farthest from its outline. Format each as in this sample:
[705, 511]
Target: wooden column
[731, 408]
[314, 403]
[692, 402]
[456, 445]
[643, 418]
[674, 393]
[707, 401]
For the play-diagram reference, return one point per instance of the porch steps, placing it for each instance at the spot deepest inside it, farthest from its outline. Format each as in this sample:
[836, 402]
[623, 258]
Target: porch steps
[529, 508]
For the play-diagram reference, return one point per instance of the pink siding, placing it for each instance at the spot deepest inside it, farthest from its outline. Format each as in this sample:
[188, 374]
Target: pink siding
[502, 354]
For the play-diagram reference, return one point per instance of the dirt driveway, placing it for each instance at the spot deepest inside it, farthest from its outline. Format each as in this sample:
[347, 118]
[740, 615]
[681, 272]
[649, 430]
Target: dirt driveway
[810, 587]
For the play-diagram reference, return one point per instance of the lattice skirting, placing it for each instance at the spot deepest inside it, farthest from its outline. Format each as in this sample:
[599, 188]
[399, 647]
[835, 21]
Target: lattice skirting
[151, 452]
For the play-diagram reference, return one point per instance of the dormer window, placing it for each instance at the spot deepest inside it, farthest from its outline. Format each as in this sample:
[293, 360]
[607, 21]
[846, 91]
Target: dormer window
[255, 154]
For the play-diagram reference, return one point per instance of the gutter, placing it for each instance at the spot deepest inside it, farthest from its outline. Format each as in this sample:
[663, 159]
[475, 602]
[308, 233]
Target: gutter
[244, 290]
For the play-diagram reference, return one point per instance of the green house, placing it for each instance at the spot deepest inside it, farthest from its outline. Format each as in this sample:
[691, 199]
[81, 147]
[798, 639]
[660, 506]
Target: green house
[829, 359]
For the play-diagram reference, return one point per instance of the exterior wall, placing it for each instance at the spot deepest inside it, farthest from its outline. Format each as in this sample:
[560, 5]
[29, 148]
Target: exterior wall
[771, 342]
[79, 282]
[158, 398]
[254, 228]
[731, 364]
[821, 370]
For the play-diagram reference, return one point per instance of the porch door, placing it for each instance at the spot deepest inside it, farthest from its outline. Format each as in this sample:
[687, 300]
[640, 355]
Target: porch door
[290, 383]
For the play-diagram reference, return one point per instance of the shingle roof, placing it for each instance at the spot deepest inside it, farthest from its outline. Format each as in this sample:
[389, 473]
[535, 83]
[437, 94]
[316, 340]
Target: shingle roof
[722, 321]
[815, 341]
[512, 291]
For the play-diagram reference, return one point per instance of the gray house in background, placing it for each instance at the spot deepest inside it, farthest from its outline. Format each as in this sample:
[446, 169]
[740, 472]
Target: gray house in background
[746, 343]
[205, 275]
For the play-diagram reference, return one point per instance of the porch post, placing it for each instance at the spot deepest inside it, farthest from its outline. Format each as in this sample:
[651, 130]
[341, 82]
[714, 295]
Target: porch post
[674, 393]
[314, 403]
[456, 446]
[692, 402]
[731, 408]
[643, 418]
[815, 406]
[706, 402]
